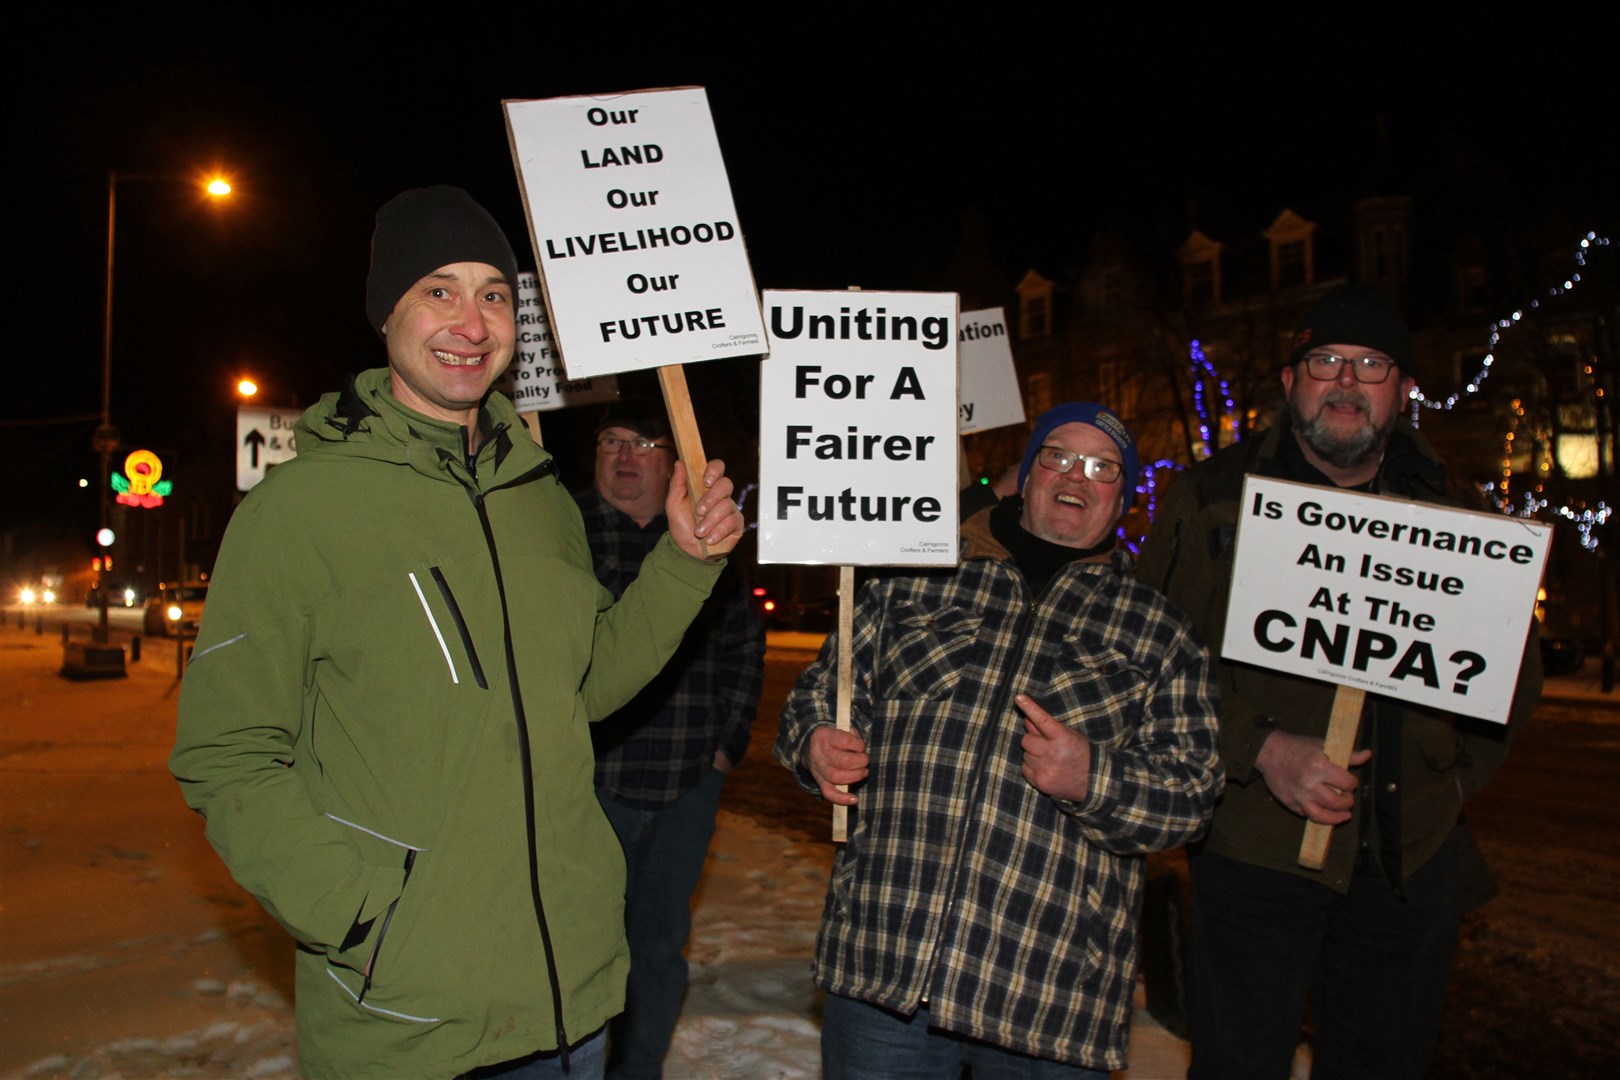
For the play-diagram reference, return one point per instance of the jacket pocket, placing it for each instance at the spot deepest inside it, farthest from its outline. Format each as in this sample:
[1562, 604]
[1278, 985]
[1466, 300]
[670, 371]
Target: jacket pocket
[1103, 688]
[448, 626]
[392, 860]
[924, 651]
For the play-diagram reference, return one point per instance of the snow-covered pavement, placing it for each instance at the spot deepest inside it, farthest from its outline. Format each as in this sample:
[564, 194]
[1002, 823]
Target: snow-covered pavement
[127, 951]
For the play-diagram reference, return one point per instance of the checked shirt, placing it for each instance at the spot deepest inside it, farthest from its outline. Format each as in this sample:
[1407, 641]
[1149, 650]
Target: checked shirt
[657, 748]
[1013, 915]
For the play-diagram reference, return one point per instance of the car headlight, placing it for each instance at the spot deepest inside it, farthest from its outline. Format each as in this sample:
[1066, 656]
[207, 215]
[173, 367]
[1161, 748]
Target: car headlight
[26, 596]
[129, 597]
[175, 612]
[50, 596]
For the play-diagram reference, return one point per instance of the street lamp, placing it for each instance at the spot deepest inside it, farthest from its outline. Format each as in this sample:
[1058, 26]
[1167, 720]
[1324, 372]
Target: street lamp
[106, 437]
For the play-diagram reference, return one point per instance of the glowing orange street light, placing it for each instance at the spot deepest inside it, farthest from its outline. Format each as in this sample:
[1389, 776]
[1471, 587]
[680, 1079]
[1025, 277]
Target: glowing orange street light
[247, 387]
[218, 187]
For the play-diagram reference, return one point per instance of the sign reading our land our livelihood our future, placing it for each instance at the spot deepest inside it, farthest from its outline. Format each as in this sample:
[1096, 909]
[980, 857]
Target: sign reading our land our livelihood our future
[1401, 598]
[630, 212]
[857, 429]
[989, 382]
[536, 382]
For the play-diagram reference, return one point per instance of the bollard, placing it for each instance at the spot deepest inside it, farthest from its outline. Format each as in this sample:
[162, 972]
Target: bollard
[39, 629]
[135, 649]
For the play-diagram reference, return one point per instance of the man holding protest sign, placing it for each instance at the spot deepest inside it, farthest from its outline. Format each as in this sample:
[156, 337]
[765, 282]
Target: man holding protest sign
[385, 720]
[1371, 934]
[1027, 725]
[662, 758]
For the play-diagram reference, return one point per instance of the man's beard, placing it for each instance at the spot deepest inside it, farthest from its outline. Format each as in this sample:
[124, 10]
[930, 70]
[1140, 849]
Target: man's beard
[1340, 449]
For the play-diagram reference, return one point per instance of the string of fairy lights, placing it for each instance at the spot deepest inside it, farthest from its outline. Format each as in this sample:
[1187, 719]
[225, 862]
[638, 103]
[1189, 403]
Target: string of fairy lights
[1585, 517]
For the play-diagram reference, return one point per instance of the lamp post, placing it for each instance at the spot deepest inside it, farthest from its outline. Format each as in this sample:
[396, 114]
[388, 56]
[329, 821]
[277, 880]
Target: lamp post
[105, 440]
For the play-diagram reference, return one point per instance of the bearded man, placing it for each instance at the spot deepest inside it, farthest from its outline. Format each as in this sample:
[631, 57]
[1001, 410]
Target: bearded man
[1371, 935]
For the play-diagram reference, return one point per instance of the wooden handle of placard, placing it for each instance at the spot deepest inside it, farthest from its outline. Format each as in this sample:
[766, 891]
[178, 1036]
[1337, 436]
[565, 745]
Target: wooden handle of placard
[683, 424]
[1343, 726]
[846, 677]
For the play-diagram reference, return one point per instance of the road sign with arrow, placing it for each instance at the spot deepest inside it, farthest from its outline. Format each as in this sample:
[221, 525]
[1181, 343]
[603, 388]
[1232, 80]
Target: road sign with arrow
[264, 439]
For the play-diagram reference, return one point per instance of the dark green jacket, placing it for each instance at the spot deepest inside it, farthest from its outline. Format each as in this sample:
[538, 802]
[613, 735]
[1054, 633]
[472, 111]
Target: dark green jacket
[1444, 758]
[384, 724]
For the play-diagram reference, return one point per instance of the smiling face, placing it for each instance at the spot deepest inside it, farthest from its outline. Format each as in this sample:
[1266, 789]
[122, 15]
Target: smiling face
[1067, 508]
[1342, 425]
[634, 484]
[449, 338]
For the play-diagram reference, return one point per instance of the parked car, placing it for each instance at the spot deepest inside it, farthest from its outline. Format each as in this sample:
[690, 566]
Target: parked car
[175, 610]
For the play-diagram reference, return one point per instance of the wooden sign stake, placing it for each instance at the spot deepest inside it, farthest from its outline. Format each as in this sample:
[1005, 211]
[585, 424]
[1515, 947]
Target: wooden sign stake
[683, 423]
[1343, 727]
[846, 681]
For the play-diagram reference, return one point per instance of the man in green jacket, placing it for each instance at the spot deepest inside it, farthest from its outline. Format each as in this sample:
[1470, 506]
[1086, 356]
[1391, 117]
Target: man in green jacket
[1371, 935]
[385, 719]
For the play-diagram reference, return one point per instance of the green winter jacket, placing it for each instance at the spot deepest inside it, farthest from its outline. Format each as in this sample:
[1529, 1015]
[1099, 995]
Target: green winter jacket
[384, 724]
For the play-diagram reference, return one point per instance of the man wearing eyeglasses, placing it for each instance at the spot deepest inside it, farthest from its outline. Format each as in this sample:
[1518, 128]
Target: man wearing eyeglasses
[1026, 727]
[1371, 935]
[661, 759]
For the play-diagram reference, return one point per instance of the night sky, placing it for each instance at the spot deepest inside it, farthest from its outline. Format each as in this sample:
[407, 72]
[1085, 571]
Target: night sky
[857, 144]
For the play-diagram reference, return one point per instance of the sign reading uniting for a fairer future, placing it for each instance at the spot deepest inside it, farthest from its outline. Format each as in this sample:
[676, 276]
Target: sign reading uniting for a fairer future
[1422, 602]
[857, 429]
[633, 223]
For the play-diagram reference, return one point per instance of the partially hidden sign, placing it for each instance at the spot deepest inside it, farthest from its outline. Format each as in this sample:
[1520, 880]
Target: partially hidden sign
[631, 216]
[1394, 597]
[857, 429]
[536, 381]
[990, 397]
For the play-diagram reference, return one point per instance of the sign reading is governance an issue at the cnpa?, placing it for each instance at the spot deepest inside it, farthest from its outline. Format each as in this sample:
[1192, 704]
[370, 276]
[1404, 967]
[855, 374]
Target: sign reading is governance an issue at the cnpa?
[631, 215]
[857, 429]
[1421, 602]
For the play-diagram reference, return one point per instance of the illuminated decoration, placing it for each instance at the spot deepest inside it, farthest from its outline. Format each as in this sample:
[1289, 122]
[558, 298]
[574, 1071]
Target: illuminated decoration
[1203, 371]
[1419, 399]
[1148, 484]
[143, 487]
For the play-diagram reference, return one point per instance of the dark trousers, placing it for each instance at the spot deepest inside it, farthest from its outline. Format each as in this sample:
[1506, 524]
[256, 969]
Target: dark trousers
[664, 851]
[1376, 967]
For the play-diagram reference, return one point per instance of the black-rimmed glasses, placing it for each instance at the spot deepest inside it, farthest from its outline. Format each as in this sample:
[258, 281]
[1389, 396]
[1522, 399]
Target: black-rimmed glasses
[1365, 369]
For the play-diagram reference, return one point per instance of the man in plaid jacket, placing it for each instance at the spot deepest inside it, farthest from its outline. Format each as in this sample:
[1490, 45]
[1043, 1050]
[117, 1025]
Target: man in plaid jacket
[661, 759]
[1027, 727]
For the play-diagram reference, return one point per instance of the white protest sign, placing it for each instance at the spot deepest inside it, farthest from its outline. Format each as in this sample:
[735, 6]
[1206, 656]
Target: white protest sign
[631, 217]
[535, 382]
[990, 397]
[1395, 597]
[857, 429]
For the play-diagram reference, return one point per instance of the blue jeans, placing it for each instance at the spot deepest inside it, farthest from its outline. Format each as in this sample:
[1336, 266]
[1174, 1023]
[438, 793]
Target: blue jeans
[585, 1061]
[863, 1042]
[664, 852]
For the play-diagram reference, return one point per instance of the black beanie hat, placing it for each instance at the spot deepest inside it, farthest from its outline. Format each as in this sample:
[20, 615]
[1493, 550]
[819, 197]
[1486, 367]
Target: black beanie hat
[1355, 315]
[419, 231]
[638, 413]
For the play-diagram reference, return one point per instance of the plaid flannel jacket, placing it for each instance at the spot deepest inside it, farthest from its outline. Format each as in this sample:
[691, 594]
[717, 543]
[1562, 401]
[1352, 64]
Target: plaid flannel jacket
[1012, 914]
[657, 748]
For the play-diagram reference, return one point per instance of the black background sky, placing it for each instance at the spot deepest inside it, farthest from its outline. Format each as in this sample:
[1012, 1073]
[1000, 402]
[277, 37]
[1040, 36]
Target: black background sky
[856, 140]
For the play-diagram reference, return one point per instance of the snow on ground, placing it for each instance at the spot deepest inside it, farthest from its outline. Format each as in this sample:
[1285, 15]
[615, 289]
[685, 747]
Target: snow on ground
[126, 951]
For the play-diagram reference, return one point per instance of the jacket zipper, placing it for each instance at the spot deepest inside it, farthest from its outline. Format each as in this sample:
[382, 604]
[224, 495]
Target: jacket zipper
[1003, 695]
[525, 759]
[461, 626]
[388, 918]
